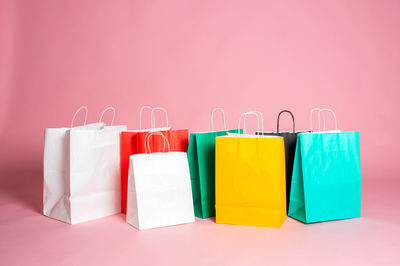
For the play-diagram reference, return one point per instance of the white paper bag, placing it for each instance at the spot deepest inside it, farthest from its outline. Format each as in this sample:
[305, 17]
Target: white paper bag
[159, 188]
[82, 172]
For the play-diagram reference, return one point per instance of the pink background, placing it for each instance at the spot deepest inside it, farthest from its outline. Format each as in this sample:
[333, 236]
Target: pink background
[189, 57]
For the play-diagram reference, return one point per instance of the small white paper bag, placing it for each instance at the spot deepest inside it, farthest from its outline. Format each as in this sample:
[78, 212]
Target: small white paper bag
[159, 188]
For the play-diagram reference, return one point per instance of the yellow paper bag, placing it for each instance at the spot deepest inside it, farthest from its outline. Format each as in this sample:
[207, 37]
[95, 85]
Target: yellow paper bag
[250, 180]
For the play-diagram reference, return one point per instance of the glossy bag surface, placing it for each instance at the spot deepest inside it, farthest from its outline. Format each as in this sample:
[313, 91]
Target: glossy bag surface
[326, 182]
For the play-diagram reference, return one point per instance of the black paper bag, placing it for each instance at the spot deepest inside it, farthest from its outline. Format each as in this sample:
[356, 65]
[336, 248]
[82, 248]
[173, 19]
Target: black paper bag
[290, 139]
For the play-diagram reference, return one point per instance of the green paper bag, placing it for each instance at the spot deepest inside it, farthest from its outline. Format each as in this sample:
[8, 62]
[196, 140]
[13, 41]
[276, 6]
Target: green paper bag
[326, 181]
[201, 157]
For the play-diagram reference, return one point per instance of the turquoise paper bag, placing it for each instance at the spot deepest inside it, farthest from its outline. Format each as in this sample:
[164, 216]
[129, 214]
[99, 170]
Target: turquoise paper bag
[326, 181]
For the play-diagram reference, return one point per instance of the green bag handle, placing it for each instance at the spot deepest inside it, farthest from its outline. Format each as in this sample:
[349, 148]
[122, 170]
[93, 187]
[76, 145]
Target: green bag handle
[279, 115]
[211, 121]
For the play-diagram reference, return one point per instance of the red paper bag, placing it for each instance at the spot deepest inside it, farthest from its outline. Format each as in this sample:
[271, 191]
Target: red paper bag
[132, 142]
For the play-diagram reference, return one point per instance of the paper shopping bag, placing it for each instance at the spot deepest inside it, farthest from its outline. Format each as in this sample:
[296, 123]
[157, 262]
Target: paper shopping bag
[201, 157]
[81, 172]
[250, 180]
[290, 139]
[132, 142]
[159, 190]
[129, 146]
[326, 182]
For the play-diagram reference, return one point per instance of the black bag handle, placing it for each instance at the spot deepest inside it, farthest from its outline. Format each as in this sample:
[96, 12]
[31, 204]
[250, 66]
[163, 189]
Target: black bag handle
[277, 123]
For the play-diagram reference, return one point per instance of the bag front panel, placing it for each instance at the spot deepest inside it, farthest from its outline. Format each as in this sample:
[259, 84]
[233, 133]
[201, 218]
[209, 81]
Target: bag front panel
[95, 173]
[250, 174]
[163, 189]
[332, 178]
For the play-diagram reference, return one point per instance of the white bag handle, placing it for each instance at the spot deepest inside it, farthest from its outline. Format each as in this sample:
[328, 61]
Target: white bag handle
[105, 110]
[258, 114]
[319, 118]
[140, 114]
[77, 111]
[333, 114]
[147, 141]
[211, 121]
[321, 112]
[153, 120]
[262, 119]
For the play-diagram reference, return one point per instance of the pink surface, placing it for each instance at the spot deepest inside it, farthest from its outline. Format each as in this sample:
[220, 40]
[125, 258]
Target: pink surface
[189, 57]
[28, 238]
